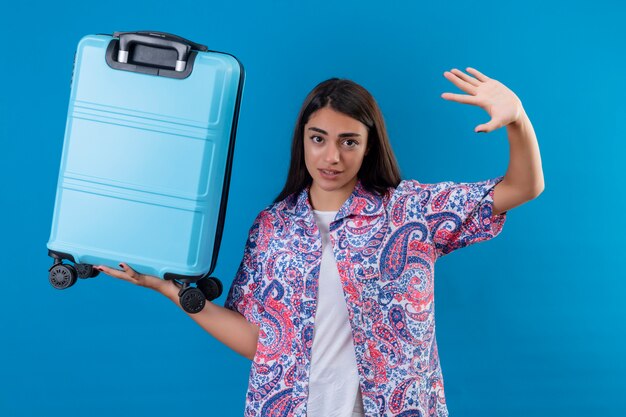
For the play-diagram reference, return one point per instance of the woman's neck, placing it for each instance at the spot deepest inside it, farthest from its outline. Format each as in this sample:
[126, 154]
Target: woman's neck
[324, 200]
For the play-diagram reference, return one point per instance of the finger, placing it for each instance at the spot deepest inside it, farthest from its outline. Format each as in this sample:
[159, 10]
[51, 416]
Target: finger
[473, 81]
[482, 77]
[486, 127]
[461, 98]
[115, 273]
[465, 86]
[129, 271]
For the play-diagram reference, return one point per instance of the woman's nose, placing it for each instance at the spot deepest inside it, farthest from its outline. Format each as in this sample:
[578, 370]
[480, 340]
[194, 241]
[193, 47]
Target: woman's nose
[331, 153]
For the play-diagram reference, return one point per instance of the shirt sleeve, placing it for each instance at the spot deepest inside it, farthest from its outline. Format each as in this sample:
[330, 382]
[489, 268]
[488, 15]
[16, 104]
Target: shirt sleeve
[460, 214]
[241, 295]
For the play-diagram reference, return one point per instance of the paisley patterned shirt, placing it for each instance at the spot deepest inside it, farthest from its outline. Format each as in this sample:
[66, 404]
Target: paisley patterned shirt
[385, 247]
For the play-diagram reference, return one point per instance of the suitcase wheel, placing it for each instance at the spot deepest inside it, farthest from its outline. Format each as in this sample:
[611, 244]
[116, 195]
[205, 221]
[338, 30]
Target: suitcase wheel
[211, 287]
[86, 271]
[192, 300]
[94, 273]
[62, 276]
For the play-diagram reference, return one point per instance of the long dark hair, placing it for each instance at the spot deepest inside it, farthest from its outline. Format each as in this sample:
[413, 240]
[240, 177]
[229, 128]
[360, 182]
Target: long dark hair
[379, 169]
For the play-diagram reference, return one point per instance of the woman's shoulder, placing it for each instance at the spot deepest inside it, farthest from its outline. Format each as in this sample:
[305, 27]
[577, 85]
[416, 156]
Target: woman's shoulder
[411, 186]
[267, 213]
[275, 209]
[425, 190]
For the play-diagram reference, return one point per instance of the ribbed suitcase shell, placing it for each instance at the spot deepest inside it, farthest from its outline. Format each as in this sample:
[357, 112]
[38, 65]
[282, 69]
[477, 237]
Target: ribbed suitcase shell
[146, 164]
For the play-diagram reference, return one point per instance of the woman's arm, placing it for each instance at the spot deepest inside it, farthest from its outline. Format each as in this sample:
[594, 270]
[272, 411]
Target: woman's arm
[523, 180]
[227, 326]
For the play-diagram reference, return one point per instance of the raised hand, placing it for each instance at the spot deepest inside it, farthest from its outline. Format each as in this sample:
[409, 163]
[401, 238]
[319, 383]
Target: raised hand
[499, 102]
[129, 274]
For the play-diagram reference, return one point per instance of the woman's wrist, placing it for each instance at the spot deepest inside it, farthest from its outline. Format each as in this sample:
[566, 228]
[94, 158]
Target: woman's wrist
[162, 286]
[170, 289]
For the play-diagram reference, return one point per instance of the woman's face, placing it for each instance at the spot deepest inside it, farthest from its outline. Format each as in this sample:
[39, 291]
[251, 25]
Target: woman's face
[334, 147]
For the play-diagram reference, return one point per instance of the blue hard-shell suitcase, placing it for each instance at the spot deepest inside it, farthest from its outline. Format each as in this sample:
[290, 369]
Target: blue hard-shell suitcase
[146, 161]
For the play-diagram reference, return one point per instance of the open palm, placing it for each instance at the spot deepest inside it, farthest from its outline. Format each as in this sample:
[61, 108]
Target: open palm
[499, 102]
[126, 273]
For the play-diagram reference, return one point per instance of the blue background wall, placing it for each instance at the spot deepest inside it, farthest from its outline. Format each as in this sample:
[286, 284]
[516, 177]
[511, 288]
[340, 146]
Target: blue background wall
[530, 323]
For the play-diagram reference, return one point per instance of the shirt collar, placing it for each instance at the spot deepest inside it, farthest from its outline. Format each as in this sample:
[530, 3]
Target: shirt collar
[360, 203]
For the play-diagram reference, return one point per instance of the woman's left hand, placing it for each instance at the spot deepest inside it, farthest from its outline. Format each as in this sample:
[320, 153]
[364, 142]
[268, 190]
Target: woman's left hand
[502, 104]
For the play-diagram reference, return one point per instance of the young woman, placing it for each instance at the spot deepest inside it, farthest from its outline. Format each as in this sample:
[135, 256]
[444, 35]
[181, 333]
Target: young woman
[333, 300]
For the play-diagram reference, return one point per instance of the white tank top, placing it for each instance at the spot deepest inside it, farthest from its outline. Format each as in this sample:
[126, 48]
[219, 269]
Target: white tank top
[334, 389]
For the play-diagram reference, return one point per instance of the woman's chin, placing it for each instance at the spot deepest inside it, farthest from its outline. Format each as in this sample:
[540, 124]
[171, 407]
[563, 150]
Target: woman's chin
[334, 184]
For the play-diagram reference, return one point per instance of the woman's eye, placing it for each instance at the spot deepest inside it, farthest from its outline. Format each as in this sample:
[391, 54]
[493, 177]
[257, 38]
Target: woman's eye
[314, 138]
[351, 143]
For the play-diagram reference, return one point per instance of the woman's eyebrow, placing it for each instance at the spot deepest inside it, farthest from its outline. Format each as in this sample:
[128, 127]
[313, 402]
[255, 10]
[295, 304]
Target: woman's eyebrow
[341, 135]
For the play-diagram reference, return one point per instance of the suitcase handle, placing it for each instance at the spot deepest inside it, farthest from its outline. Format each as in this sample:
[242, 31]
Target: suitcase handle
[159, 39]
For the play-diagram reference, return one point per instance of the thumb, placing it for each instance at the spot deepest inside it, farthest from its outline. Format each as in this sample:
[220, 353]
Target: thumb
[486, 127]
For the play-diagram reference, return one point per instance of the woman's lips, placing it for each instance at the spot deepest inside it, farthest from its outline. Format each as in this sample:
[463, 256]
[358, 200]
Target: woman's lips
[330, 173]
